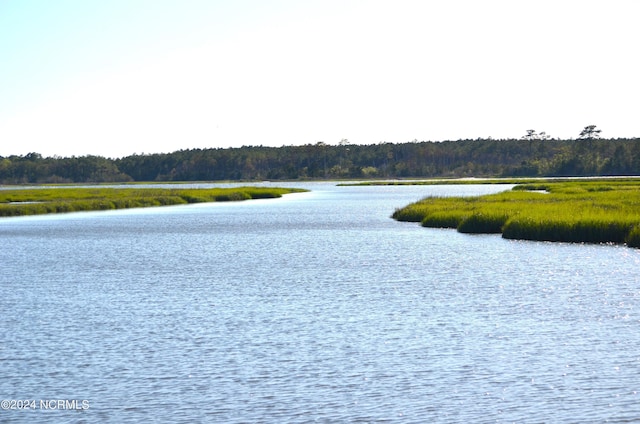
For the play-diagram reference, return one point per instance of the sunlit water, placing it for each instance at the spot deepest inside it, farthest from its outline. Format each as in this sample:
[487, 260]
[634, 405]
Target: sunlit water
[313, 307]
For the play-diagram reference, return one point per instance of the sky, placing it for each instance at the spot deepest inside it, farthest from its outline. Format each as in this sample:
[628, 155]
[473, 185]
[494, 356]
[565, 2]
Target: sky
[121, 77]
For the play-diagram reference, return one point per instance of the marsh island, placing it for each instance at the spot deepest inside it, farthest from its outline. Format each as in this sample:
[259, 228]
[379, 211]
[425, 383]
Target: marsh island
[34, 201]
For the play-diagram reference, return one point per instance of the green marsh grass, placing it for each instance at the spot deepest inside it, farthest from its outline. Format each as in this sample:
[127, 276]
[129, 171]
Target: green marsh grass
[591, 211]
[73, 199]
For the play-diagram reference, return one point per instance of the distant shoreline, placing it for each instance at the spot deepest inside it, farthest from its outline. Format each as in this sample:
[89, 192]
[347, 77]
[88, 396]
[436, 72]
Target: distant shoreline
[446, 159]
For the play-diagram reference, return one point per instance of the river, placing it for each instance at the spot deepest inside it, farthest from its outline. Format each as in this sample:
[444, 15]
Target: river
[316, 307]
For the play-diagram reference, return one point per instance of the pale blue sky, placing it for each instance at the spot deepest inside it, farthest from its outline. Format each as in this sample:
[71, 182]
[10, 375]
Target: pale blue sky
[118, 77]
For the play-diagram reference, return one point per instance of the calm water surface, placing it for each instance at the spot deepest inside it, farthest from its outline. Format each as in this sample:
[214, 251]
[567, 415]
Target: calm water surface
[316, 307]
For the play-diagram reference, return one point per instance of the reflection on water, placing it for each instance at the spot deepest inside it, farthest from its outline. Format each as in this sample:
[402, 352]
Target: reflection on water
[316, 306]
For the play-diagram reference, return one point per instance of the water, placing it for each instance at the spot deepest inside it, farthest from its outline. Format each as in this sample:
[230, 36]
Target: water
[316, 307]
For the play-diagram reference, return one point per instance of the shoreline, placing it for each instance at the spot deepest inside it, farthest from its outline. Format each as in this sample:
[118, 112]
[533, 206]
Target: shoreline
[587, 211]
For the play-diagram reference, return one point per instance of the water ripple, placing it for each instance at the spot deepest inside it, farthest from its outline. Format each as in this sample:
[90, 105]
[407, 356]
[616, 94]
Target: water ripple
[317, 308]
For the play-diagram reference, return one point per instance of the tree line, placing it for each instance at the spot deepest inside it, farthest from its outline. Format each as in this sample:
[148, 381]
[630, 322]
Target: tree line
[534, 155]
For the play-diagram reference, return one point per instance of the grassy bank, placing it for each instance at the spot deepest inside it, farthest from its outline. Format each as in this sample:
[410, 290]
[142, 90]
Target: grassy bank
[73, 199]
[588, 211]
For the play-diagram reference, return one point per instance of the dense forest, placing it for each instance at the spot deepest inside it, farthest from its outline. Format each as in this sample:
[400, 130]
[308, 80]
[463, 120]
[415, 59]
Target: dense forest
[531, 156]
